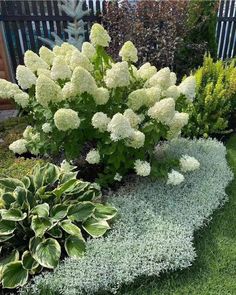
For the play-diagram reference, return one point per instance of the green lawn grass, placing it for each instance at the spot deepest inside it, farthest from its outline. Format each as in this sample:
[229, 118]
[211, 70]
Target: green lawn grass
[214, 270]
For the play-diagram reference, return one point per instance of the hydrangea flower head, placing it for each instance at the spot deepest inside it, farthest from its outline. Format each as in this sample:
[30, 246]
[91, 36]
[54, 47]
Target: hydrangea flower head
[163, 110]
[25, 77]
[82, 81]
[101, 95]
[99, 36]
[187, 87]
[133, 118]
[118, 75]
[47, 128]
[146, 71]
[34, 62]
[142, 168]
[100, 121]
[47, 91]
[161, 79]
[66, 119]
[119, 127]
[188, 163]
[46, 54]
[22, 99]
[137, 99]
[93, 157]
[18, 146]
[136, 140]
[60, 70]
[79, 59]
[129, 52]
[88, 50]
[175, 178]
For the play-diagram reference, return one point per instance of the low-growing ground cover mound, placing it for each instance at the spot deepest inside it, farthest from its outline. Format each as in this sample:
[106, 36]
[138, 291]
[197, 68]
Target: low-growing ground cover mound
[154, 232]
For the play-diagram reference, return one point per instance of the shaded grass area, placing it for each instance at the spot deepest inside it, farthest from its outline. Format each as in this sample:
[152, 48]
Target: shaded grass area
[214, 271]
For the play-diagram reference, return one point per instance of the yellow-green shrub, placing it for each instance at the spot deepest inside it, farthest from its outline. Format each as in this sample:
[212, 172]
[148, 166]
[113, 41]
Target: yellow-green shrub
[215, 98]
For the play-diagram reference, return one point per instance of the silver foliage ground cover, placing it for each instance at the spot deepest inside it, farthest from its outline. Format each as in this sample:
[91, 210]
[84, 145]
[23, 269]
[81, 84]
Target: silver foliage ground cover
[154, 231]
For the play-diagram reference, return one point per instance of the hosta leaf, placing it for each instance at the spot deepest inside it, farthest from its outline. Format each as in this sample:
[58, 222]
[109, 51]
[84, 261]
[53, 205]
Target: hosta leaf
[104, 212]
[59, 211]
[14, 256]
[5, 238]
[96, 228]
[75, 247]
[21, 195]
[27, 181]
[28, 261]
[13, 214]
[71, 228]
[41, 210]
[33, 243]
[48, 253]
[81, 211]
[14, 275]
[8, 199]
[7, 227]
[36, 270]
[51, 174]
[39, 225]
[10, 184]
[64, 187]
[68, 176]
[55, 232]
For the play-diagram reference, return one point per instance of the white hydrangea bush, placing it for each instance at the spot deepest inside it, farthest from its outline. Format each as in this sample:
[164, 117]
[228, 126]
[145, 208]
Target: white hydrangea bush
[79, 98]
[155, 231]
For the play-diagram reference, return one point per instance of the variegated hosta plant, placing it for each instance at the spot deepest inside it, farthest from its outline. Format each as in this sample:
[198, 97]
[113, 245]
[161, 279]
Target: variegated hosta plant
[44, 213]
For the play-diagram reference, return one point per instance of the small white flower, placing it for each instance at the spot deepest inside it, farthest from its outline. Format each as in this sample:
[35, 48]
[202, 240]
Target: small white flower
[93, 157]
[188, 163]
[34, 62]
[22, 99]
[47, 128]
[18, 146]
[142, 168]
[101, 95]
[133, 118]
[146, 71]
[118, 177]
[175, 178]
[60, 70]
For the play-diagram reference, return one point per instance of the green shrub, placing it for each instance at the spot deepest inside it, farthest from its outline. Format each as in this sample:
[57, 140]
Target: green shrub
[215, 99]
[154, 233]
[42, 212]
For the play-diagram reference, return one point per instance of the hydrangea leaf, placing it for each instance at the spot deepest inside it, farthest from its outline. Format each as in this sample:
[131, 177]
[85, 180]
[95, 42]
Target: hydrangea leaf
[75, 247]
[48, 253]
[14, 275]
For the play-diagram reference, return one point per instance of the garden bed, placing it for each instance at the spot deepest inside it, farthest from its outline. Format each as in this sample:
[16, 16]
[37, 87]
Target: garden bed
[154, 232]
